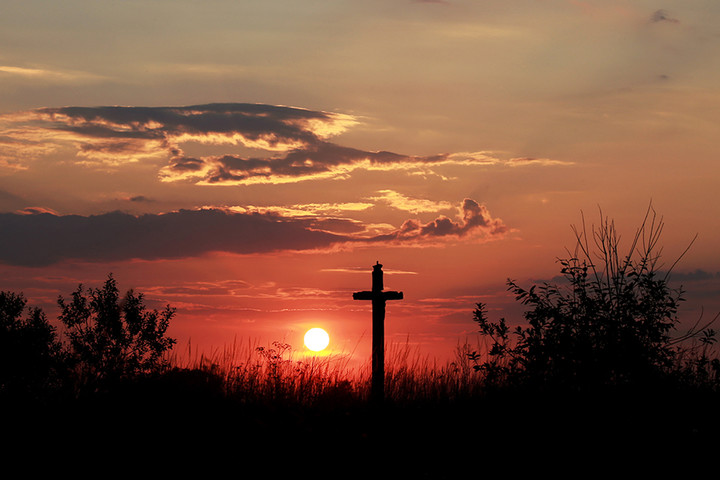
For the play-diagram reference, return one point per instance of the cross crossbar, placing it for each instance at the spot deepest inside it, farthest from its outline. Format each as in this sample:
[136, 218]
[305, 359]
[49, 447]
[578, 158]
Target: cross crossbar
[375, 296]
[378, 298]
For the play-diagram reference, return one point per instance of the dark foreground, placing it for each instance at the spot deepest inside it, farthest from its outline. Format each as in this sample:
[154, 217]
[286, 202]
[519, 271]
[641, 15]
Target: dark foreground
[183, 432]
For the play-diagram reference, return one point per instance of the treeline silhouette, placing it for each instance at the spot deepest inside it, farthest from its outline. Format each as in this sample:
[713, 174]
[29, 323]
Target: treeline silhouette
[109, 340]
[599, 353]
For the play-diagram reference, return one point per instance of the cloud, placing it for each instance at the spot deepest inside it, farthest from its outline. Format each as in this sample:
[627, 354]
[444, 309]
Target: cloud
[365, 270]
[185, 289]
[37, 237]
[694, 276]
[36, 211]
[521, 162]
[308, 210]
[322, 160]
[475, 222]
[314, 161]
[9, 165]
[475, 217]
[118, 134]
[292, 144]
[15, 150]
[412, 205]
[662, 16]
[44, 74]
[140, 199]
[43, 239]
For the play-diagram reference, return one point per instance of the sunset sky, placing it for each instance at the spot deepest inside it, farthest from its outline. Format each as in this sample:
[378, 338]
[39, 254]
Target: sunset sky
[249, 161]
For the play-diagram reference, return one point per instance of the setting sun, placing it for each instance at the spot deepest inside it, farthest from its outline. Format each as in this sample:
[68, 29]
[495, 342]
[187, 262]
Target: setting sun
[316, 339]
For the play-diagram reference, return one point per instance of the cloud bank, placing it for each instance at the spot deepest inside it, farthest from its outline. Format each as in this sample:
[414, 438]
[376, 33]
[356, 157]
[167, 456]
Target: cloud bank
[39, 238]
[292, 143]
[43, 239]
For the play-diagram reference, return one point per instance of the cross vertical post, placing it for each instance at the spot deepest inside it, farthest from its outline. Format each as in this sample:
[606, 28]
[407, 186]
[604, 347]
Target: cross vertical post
[378, 298]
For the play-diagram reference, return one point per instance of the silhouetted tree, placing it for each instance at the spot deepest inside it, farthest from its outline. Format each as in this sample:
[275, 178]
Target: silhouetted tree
[609, 323]
[113, 339]
[31, 356]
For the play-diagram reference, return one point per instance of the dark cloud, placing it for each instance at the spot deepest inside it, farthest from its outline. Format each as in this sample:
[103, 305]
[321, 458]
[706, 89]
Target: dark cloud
[294, 142]
[33, 238]
[183, 165]
[694, 276]
[663, 16]
[116, 134]
[255, 122]
[43, 239]
[319, 160]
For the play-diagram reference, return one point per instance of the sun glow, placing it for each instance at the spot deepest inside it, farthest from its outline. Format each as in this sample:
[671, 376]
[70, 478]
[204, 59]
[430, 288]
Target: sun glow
[316, 339]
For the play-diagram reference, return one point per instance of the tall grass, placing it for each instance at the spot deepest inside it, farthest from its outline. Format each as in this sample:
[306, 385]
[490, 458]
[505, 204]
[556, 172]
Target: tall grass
[261, 374]
[252, 373]
[412, 377]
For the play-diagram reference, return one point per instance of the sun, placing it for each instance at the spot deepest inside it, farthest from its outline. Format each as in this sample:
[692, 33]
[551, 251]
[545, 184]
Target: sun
[316, 339]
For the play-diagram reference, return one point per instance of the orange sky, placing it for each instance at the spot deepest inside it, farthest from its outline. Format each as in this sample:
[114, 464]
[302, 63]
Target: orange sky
[248, 162]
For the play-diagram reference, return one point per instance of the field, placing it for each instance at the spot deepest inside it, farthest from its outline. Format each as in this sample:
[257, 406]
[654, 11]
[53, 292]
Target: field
[258, 409]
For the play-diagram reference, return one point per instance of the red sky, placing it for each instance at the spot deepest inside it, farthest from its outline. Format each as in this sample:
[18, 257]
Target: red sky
[248, 162]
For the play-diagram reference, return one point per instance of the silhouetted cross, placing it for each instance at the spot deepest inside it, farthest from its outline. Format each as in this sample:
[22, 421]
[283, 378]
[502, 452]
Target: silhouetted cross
[378, 298]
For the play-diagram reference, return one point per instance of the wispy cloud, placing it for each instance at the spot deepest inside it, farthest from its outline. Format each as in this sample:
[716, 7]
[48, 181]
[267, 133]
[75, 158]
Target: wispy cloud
[323, 160]
[409, 204]
[51, 75]
[663, 16]
[36, 211]
[525, 161]
[308, 210]
[16, 150]
[365, 270]
[185, 289]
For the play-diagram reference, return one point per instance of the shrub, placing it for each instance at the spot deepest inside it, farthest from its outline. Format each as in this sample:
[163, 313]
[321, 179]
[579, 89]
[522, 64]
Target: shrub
[608, 322]
[113, 339]
[31, 358]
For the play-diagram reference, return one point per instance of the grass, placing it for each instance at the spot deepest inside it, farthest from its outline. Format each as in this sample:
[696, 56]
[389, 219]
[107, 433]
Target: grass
[282, 403]
[273, 408]
[251, 373]
[293, 403]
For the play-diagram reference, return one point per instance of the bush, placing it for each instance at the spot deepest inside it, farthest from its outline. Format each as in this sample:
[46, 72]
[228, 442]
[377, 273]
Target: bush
[113, 339]
[608, 323]
[31, 357]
